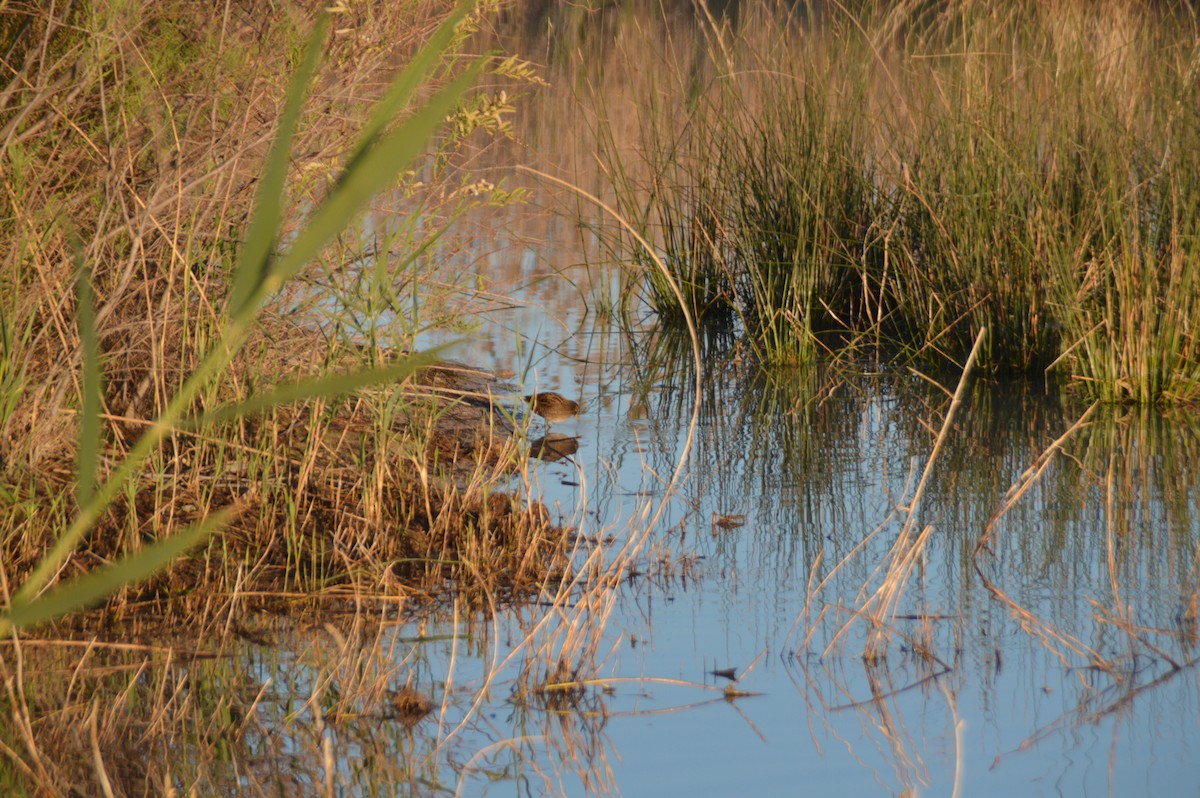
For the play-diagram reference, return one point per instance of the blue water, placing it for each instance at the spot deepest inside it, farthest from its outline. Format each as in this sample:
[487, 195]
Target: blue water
[1093, 692]
[817, 462]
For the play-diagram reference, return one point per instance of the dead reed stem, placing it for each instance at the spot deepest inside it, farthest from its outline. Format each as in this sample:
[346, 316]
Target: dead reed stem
[909, 546]
[1030, 622]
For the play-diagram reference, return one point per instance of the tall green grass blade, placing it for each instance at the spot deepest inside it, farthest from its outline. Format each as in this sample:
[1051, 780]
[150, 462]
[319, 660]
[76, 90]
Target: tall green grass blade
[401, 91]
[333, 385]
[88, 456]
[372, 174]
[12, 374]
[218, 358]
[87, 590]
[254, 259]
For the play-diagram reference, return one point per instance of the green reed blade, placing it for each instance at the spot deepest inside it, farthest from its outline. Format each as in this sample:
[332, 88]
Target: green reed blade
[256, 279]
[88, 456]
[331, 385]
[254, 258]
[87, 590]
[372, 174]
[414, 75]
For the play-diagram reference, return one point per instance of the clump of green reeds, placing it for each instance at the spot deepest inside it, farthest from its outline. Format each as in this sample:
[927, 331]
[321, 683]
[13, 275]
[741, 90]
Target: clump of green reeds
[802, 204]
[1034, 167]
[904, 178]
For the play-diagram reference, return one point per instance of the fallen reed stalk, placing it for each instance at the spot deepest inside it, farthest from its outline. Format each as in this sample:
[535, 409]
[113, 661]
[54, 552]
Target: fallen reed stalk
[1031, 622]
[880, 607]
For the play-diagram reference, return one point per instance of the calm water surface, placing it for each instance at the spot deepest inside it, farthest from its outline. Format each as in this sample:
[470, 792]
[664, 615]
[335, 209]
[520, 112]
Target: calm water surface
[1060, 661]
[1069, 703]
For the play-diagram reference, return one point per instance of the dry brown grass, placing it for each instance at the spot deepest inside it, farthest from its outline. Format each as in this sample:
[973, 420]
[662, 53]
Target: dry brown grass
[144, 131]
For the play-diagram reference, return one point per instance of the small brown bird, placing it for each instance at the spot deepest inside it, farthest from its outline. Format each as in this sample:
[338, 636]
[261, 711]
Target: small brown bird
[552, 406]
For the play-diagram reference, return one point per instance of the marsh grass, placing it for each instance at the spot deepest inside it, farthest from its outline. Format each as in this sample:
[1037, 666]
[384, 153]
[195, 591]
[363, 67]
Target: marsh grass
[666, 186]
[900, 177]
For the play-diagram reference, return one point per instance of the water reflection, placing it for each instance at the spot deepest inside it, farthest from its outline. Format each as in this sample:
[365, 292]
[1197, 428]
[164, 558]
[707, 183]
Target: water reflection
[1097, 560]
[1057, 658]
[1087, 676]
